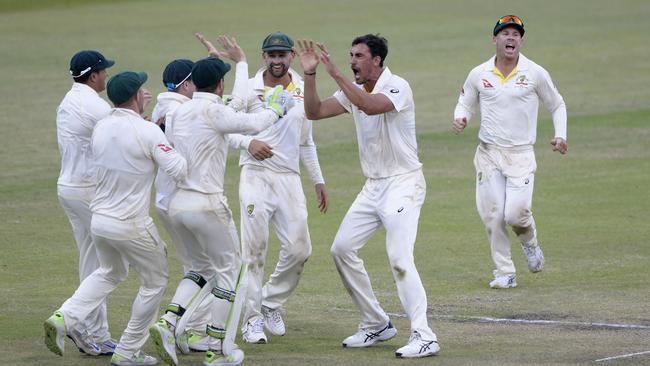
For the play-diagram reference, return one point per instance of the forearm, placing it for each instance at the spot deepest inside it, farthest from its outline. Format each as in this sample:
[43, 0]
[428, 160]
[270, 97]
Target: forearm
[309, 158]
[560, 121]
[312, 100]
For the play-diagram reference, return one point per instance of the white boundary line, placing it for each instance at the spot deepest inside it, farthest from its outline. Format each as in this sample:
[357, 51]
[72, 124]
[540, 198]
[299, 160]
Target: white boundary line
[623, 356]
[484, 319]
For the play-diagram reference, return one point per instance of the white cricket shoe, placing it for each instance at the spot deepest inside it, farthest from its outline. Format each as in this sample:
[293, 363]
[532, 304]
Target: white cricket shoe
[506, 281]
[138, 359]
[162, 335]
[418, 347]
[365, 337]
[273, 321]
[534, 256]
[254, 332]
[216, 358]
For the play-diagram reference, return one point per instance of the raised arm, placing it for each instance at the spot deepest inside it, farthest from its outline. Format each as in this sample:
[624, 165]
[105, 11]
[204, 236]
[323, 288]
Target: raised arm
[315, 109]
[370, 104]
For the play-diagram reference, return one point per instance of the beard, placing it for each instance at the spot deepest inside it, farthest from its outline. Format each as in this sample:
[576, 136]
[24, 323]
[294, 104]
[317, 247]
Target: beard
[278, 73]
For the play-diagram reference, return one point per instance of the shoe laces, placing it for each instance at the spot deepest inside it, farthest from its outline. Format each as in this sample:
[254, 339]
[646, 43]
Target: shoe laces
[257, 326]
[415, 337]
[275, 315]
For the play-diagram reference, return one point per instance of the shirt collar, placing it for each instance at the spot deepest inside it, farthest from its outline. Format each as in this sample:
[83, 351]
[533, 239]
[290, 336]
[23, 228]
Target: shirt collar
[383, 79]
[258, 79]
[84, 87]
[522, 64]
[207, 96]
[118, 111]
[172, 96]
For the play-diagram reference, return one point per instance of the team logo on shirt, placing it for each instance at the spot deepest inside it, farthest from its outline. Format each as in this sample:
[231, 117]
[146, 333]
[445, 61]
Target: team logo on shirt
[250, 209]
[521, 81]
[164, 148]
[298, 91]
[486, 84]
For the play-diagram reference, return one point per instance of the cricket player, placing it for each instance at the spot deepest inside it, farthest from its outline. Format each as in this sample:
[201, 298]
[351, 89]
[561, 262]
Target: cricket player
[384, 113]
[199, 210]
[76, 118]
[126, 150]
[508, 88]
[180, 88]
[270, 190]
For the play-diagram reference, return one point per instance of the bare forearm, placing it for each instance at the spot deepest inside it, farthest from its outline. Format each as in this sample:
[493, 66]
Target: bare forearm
[312, 100]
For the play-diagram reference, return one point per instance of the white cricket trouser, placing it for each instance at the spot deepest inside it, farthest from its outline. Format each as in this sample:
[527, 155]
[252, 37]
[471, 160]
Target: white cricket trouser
[76, 204]
[395, 203]
[267, 196]
[205, 225]
[202, 315]
[504, 196]
[122, 245]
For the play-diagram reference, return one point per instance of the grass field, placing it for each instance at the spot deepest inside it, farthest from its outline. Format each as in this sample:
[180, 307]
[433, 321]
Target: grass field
[591, 206]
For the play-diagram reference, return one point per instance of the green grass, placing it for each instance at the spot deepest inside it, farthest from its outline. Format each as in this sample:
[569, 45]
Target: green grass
[590, 205]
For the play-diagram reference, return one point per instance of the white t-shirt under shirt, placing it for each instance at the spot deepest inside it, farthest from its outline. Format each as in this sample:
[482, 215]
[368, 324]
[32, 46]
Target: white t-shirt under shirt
[387, 144]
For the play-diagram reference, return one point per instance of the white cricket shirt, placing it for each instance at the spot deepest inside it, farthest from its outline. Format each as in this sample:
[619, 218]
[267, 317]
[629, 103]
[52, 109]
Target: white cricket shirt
[166, 104]
[290, 137]
[199, 133]
[126, 150]
[76, 118]
[387, 144]
[509, 104]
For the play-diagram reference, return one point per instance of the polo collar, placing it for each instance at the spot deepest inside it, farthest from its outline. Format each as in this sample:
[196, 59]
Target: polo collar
[383, 79]
[258, 79]
[84, 87]
[131, 112]
[207, 96]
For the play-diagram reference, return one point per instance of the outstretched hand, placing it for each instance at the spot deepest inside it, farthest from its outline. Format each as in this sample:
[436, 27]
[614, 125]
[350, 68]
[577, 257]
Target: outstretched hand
[308, 56]
[327, 61]
[232, 50]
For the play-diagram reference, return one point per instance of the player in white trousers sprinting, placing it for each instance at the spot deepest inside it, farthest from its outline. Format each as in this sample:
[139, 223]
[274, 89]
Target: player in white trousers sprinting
[199, 210]
[508, 88]
[126, 150]
[384, 113]
[76, 118]
[270, 191]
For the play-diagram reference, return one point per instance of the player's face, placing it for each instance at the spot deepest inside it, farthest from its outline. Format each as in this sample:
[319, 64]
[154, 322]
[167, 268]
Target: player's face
[278, 62]
[508, 41]
[362, 63]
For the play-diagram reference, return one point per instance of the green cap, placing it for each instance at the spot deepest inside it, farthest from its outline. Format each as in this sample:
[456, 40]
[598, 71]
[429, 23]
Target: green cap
[277, 41]
[208, 71]
[122, 86]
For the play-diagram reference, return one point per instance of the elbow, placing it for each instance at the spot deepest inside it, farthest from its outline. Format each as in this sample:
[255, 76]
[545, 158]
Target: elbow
[311, 115]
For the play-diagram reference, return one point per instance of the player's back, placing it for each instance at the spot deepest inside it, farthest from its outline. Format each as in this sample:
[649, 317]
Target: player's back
[125, 169]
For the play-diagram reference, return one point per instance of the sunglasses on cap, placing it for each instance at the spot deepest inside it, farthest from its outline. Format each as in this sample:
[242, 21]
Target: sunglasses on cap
[511, 19]
[84, 71]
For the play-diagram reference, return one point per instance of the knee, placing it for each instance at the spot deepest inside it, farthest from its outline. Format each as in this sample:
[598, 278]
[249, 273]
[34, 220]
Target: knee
[519, 217]
[339, 249]
[301, 253]
[492, 216]
[401, 266]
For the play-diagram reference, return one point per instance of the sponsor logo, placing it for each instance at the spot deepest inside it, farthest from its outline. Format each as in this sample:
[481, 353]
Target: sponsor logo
[400, 209]
[394, 91]
[527, 181]
[164, 147]
[521, 81]
[486, 84]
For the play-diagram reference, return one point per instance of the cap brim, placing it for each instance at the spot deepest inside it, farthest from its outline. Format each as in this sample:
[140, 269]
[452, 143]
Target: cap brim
[105, 65]
[143, 77]
[276, 48]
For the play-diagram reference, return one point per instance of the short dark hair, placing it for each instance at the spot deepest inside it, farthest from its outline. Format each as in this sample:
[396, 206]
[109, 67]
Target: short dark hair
[377, 44]
[209, 88]
[84, 78]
